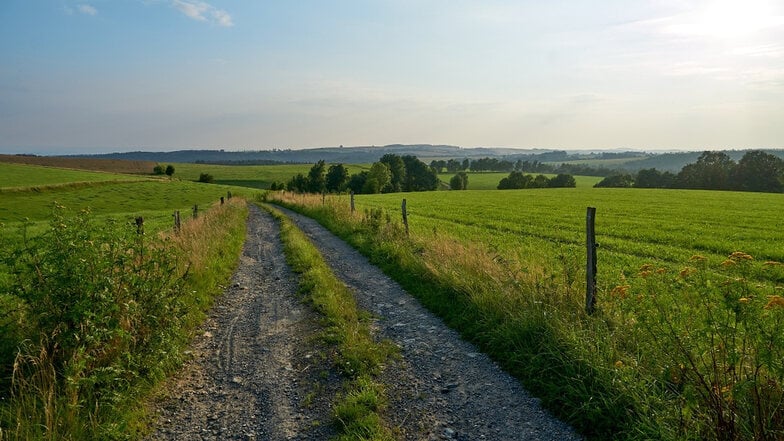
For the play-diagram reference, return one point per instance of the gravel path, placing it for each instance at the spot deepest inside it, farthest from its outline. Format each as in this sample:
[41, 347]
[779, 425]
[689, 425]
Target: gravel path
[443, 387]
[257, 371]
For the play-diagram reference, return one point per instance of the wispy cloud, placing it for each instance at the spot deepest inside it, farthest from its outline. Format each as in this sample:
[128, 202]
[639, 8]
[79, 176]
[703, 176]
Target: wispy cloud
[202, 11]
[82, 8]
[87, 9]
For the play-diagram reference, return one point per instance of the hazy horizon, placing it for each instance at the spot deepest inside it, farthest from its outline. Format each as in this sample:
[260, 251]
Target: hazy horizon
[101, 76]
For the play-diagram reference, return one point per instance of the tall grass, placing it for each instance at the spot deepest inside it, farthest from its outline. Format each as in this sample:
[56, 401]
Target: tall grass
[107, 313]
[358, 412]
[663, 358]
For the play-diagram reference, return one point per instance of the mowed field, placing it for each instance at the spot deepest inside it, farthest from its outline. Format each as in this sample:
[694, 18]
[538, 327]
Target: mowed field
[546, 227]
[490, 180]
[252, 176]
[29, 193]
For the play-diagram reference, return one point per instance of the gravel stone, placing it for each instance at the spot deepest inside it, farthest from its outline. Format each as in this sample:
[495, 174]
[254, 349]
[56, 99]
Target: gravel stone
[255, 366]
[442, 387]
[258, 371]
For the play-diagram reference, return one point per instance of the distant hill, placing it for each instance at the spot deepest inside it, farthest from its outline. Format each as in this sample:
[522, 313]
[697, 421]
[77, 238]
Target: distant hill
[84, 163]
[674, 162]
[353, 155]
[608, 160]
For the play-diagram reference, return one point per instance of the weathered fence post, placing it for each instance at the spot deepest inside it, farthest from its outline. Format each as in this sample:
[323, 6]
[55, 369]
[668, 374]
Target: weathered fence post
[228, 195]
[195, 211]
[177, 221]
[352, 201]
[590, 271]
[140, 225]
[405, 216]
[221, 200]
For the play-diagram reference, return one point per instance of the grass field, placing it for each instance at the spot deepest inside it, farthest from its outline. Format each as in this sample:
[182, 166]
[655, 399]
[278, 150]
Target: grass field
[252, 176]
[490, 180]
[20, 176]
[93, 315]
[688, 338]
[634, 226]
[106, 165]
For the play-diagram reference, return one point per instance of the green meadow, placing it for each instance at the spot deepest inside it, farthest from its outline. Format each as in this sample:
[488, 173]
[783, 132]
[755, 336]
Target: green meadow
[490, 180]
[252, 176]
[687, 341]
[19, 176]
[94, 316]
[29, 193]
[633, 226]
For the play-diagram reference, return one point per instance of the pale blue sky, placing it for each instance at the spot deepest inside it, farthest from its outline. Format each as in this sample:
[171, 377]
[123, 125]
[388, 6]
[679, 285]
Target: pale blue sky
[116, 75]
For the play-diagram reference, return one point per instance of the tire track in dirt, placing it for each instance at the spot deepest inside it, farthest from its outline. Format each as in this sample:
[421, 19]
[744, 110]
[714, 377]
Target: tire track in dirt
[443, 387]
[257, 371]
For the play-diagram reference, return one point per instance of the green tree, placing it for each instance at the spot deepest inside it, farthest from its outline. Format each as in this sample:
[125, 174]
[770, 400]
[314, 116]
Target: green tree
[652, 178]
[337, 177]
[158, 170]
[298, 183]
[621, 181]
[563, 180]
[357, 181]
[316, 181]
[206, 177]
[459, 181]
[516, 180]
[540, 181]
[398, 169]
[712, 171]
[419, 176]
[169, 170]
[378, 178]
[759, 171]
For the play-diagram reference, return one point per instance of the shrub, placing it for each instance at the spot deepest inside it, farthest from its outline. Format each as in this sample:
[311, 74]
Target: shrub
[206, 177]
[103, 305]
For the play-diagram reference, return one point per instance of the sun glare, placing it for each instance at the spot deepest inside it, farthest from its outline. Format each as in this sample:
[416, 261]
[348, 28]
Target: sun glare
[730, 19]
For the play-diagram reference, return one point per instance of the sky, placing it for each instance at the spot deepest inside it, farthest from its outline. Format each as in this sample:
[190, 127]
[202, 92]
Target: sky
[119, 75]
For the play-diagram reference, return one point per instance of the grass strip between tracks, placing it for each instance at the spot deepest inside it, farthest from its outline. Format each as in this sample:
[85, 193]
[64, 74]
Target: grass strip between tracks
[359, 410]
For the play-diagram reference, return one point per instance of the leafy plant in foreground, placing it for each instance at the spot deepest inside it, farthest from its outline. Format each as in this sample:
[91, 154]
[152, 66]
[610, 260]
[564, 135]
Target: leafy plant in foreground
[718, 343]
[102, 307]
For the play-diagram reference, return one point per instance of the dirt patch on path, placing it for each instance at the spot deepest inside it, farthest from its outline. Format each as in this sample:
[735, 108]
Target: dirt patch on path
[443, 387]
[258, 372]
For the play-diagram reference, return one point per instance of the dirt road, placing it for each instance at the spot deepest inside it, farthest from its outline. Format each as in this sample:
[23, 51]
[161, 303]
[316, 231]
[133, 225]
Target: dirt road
[258, 374]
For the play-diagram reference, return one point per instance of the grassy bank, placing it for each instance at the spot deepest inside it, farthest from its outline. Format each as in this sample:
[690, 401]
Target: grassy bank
[96, 315]
[358, 412]
[676, 351]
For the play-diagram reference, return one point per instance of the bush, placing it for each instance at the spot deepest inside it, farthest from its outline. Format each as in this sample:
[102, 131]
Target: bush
[619, 181]
[459, 181]
[104, 306]
[206, 177]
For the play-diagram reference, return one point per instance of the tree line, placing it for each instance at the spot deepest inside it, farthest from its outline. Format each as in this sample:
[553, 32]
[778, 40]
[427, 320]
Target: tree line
[755, 171]
[391, 174]
[488, 164]
[519, 180]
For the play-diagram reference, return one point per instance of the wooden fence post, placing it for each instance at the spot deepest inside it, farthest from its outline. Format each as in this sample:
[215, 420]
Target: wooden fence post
[140, 225]
[590, 270]
[195, 211]
[177, 221]
[221, 200]
[228, 195]
[405, 216]
[352, 201]
[323, 197]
